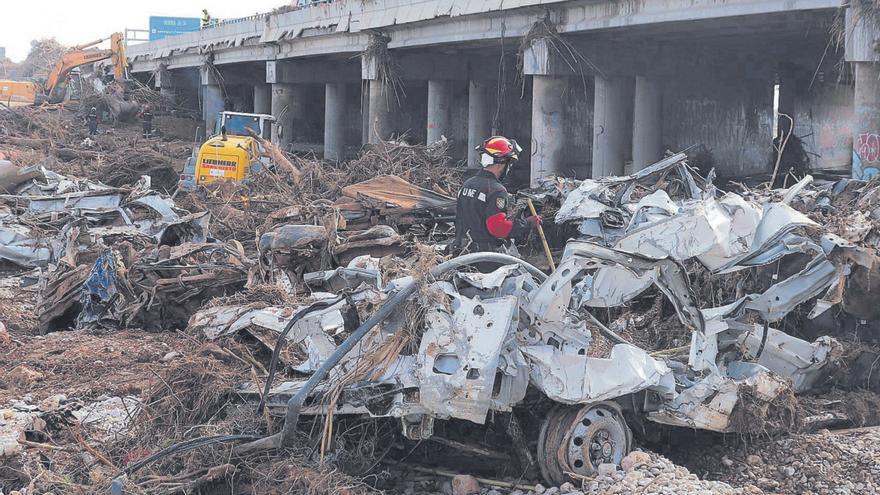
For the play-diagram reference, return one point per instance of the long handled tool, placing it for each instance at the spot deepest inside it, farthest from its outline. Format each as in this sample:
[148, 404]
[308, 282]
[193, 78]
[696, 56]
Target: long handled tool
[543, 238]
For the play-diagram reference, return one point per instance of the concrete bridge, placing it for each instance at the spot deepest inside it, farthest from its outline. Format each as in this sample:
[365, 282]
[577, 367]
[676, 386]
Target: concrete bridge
[589, 88]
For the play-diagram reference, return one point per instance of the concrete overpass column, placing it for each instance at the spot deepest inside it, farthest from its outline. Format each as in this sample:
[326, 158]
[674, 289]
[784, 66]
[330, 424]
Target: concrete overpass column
[609, 125]
[866, 138]
[860, 50]
[282, 133]
[262, 98]
[381, 100]
[548, 131]
[165, 83]
[169, 94]
[365, 111]
[549, 84]
[439, 110]
[479, 119]
[334, 121]
[647, 145]
[297, 109]
[383, 103]
[212, 105]
[212, 99]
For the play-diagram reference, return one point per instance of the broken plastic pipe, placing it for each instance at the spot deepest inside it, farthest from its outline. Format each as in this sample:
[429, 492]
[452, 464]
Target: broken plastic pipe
[294, 405]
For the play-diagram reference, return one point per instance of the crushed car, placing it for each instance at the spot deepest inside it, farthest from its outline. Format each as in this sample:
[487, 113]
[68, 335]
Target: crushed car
[482, 342]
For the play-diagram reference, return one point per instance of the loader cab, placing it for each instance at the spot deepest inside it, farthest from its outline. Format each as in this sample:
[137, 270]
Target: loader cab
[230, 153]
[236, 124]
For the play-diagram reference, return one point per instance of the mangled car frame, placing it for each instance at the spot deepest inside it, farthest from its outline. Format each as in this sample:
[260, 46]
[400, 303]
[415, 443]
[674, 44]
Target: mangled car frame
[480, 341]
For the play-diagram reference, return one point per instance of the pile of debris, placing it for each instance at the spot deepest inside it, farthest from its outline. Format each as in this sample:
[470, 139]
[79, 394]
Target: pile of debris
[107, 98]
[124, 257]
[54, 138]
[826, 462]
[738, 374]
[337, 209]
[318, 321]
[646, 472]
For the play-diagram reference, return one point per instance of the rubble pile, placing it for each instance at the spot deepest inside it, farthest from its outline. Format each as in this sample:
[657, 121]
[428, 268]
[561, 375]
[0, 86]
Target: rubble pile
[262, 335]
[640, 473]
[645, 473]
[53, 138]
[391, 183]
[826, 462]
[112, 254]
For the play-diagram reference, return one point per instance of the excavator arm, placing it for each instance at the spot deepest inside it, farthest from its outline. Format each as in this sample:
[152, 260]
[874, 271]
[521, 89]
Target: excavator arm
[82, 55]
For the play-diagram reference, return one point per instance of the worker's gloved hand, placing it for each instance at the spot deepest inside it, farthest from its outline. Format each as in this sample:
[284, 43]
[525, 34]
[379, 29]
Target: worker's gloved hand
[534, 221]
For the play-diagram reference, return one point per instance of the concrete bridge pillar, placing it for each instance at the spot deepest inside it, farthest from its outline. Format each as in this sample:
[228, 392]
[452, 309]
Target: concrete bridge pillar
[381, 100]
[439, 110]
[861, 34]
[548, 132]
[165, 83]
[297, 110]
[647, 145]
[365, 112]
[334, 121]
[169, 94]
[282, 133]
[382, 105]
[212, 105]
[262, 98]
[866, 135]
[479, 119]
[549, 82]
[612, 97]
[212, 100]
[289, 110]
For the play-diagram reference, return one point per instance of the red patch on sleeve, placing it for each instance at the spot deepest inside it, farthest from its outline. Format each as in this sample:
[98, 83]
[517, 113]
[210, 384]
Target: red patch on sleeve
[499, 226]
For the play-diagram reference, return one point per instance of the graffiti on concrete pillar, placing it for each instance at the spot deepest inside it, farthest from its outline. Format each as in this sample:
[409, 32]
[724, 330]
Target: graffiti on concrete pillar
[866, 156]
[868, 147]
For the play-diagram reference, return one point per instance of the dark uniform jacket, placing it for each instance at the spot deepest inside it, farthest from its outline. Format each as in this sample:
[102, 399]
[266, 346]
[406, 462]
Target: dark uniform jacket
[147, 117]
[92, 120]
[481, 222]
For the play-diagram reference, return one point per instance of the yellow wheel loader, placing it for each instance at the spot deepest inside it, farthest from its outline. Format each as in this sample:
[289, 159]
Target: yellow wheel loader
[231, 153]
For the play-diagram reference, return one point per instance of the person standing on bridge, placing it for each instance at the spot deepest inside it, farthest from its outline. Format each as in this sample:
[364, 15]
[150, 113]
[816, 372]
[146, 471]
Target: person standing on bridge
[481, 221]
[206, 18]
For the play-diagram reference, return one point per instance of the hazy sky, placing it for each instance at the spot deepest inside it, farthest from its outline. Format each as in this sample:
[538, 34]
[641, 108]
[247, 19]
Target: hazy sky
[74, 22]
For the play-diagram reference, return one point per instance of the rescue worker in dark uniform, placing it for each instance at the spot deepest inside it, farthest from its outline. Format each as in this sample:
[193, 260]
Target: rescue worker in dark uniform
[92, 121]
[481, 222]
[147, 119]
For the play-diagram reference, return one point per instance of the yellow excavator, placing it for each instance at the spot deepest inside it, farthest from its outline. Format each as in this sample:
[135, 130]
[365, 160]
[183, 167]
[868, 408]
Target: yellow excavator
[15, 93]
